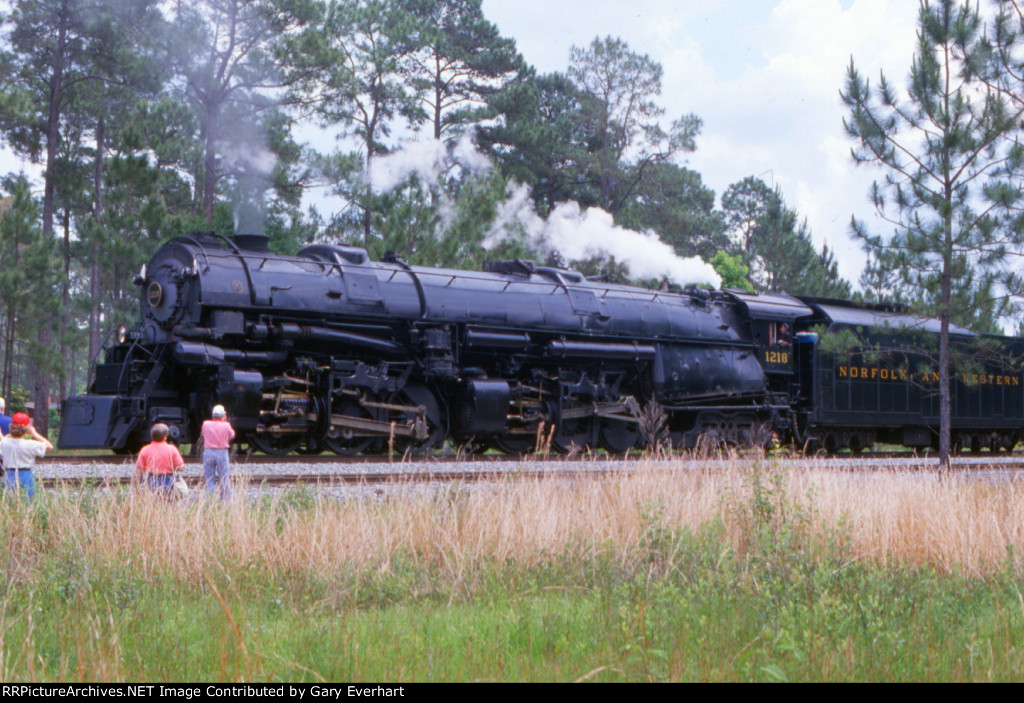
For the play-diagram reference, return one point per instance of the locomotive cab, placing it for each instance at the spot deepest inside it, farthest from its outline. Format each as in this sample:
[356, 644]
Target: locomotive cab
[772, 320]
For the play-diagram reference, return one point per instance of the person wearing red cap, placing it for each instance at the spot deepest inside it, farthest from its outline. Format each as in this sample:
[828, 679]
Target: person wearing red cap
[20, 449]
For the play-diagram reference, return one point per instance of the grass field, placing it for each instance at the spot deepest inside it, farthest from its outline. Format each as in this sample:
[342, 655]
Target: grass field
[751, 573]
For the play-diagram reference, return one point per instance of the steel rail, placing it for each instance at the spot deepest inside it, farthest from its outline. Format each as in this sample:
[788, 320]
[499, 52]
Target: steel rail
[337, 459]
[403, 476]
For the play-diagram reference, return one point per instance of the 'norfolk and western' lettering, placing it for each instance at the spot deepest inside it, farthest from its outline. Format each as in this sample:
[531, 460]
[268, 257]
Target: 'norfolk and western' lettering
[876, 373]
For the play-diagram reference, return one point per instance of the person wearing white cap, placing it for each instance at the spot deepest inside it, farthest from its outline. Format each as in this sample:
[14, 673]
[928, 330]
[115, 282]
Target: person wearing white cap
[217, 434]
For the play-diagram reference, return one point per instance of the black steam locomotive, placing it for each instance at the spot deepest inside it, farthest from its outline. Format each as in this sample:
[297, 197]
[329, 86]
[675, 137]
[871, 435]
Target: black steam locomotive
[328, 350]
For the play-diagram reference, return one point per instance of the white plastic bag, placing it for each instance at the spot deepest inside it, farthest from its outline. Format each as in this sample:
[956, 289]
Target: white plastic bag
[180, 487]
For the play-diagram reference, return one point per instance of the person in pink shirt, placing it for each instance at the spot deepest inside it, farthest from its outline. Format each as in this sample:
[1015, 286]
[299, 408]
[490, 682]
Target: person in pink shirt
[158, 461]
[217, 435]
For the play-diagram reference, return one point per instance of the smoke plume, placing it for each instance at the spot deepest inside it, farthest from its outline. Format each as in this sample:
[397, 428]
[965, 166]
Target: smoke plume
[428, 159]
[584, 234]
[575, 234]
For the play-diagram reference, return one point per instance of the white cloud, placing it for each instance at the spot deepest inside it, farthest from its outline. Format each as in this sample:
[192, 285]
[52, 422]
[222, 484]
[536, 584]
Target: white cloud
[764, 76]
[793, 114]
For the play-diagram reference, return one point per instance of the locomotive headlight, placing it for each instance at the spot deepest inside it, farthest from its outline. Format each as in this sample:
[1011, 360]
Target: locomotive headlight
[155, 294]
[121, 335]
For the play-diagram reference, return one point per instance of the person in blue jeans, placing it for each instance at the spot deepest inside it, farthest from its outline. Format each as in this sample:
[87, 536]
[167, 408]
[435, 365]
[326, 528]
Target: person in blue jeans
[5, 426]
[19, 450]
[217, 434]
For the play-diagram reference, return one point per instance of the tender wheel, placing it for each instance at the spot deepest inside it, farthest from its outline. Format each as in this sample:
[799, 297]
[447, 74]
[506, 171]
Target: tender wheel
[856, 444]
[618, 437]
[277, 446]
[348, 441]
[831, 444]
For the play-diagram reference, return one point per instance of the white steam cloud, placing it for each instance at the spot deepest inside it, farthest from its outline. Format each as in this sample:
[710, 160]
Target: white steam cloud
[255, 163]
[251, 155]
[575, 234]
[583, 234]
[428, 159]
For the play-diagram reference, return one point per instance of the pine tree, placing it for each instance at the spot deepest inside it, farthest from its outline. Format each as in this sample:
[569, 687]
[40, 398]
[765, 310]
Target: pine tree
[456, 59]
[622, 119]
[942, 147]
[28, 288]
[233, 59]
[57, 51]
[540, 139]
[351, 78]
[776, 245]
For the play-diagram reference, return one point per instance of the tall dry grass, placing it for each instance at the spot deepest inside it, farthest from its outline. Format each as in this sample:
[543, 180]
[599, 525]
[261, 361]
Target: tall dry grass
[905, 518]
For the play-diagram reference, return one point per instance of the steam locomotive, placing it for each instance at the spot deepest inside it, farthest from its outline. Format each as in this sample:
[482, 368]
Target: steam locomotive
[328, 350]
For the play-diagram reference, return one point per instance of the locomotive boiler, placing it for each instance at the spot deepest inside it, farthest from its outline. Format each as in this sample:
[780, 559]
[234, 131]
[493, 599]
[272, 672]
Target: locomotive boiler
[329, 350]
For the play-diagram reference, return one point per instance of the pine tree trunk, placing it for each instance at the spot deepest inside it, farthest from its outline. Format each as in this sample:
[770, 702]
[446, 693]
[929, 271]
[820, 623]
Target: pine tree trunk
[437, 98]
[95, 287]
[945, 402]
[210, 166]
[41, 389]
[65, 323]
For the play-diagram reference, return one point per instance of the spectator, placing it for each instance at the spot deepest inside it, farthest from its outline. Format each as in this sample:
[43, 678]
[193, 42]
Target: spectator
[158, 461]
[217, 434]
[5, 421]
[19, 450]
[5, 425]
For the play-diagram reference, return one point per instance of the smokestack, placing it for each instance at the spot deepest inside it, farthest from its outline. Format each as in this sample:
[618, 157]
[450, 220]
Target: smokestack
[253, 242]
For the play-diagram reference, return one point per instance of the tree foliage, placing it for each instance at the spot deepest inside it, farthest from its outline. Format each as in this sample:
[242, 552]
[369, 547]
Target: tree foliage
[457, 59]
[228, 56]
[947, 148]
[620, 118]
[776, 246]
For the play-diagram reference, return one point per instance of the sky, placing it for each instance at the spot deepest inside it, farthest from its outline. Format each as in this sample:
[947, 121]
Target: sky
[764, 75]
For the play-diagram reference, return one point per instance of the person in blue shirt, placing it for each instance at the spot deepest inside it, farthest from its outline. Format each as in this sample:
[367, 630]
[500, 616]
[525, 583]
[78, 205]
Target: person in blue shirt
[5, 421]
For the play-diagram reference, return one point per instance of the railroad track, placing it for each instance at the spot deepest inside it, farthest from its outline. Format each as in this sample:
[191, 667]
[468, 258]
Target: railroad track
[349, 479]
[330, 459]
[335, 459]
[405, 474]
